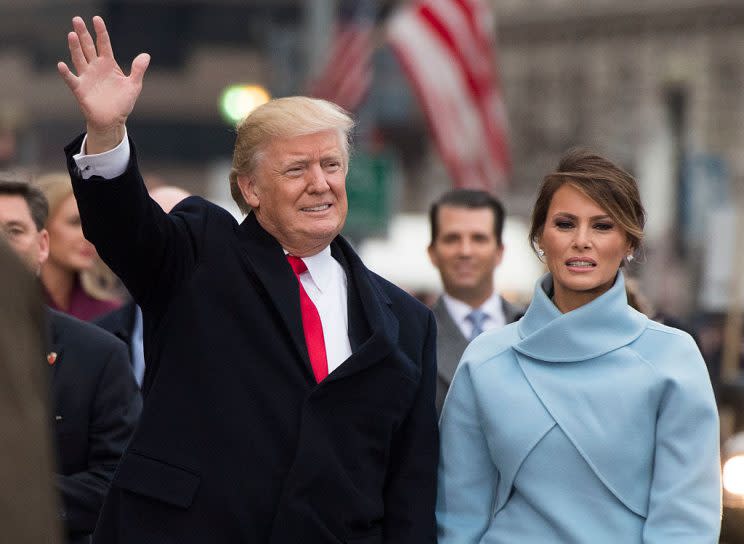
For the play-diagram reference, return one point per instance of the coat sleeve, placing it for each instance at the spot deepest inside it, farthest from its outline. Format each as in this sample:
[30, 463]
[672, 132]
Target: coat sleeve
[116, 407]
[151, 251]
[467, 477]
[410, 491]
[685, 497]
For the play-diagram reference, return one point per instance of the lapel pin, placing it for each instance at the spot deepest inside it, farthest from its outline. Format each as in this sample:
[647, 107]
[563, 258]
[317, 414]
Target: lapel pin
[52, 357]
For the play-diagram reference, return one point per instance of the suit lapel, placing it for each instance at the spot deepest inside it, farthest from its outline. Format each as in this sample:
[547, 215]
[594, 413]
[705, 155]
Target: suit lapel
[511, 312]
[375, 308]
[55, 349]
[451, 342]
[267, 265]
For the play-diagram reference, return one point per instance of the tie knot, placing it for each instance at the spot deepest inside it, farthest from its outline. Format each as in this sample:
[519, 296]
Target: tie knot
[297, 264]
[477, 317]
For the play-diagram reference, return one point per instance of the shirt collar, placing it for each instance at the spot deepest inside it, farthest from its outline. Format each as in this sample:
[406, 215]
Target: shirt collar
[460, 310]
[319, 266]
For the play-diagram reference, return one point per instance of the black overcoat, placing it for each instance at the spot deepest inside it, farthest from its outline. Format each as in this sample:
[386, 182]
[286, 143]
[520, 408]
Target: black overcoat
[237, 443]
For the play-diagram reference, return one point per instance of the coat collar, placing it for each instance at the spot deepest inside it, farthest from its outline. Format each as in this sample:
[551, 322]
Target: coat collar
[268, 265]
[601, 326]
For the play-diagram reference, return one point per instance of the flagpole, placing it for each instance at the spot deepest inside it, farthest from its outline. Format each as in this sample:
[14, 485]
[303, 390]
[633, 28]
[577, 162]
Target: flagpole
[320, 16]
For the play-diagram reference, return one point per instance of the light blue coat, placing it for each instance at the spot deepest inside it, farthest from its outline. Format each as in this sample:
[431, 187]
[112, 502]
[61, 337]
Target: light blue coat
[595, 426]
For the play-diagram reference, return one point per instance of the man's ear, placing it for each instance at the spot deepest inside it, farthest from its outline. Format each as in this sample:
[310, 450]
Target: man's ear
[43, 246]
[247, 185]
[499, 255]
[433, 257]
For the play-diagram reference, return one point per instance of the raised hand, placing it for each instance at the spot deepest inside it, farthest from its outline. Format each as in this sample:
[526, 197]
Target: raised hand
[105, 94]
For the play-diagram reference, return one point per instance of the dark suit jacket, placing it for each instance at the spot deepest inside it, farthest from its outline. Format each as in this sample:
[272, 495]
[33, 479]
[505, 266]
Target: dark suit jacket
[237, 443]
[451, 343]
[96, 403]
[28, 504]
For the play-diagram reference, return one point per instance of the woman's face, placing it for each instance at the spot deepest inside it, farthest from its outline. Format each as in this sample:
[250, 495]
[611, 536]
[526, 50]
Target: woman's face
[68, 248]
[583, 248]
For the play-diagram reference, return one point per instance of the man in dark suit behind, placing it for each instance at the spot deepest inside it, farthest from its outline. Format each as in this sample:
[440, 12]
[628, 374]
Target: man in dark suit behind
[466, 247]
[95, 400]
[289, 391]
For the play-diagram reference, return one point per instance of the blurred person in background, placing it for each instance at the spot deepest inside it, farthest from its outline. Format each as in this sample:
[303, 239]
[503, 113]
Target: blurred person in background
[289, 390]
[75, 280]
[466, 247]
[28, 504]
[126, 322]
[96, 401]
[585, 421]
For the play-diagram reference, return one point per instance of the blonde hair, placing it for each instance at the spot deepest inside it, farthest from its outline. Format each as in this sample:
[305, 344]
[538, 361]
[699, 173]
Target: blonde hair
[283, 118]
[99, 281]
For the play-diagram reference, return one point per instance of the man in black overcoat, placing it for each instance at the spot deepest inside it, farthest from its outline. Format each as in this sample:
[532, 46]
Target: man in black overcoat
[289, 391]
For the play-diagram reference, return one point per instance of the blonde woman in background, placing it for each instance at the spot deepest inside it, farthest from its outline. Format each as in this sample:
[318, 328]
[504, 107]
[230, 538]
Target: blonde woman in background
[75, 280]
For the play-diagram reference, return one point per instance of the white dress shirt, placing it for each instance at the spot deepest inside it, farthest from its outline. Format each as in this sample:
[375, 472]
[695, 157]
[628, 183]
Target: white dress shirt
[459, 311]
[324, 281]
[326, 285]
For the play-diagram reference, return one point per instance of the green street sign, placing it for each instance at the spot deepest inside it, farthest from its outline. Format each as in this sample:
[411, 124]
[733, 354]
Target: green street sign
[368, 187]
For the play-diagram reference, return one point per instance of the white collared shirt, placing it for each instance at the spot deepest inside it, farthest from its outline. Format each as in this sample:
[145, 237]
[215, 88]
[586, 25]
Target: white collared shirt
[326, 284]
[459, 311]
[324, 281]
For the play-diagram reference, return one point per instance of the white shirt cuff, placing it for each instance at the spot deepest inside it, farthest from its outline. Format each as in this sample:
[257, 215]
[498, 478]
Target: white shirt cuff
[109, 164]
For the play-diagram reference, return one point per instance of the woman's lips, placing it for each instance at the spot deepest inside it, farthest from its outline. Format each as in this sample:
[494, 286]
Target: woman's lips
[581, 264]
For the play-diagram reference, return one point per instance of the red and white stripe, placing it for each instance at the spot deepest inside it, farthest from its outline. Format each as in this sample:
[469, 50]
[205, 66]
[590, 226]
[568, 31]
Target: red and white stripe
[347, 76]
[446, 49]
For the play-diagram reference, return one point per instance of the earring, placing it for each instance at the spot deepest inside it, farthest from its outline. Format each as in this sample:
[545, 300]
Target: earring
[540, 252]
[629, 257]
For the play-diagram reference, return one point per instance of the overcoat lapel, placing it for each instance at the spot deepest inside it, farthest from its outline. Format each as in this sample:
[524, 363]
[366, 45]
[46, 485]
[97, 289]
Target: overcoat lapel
[268, 266]
[376, 308]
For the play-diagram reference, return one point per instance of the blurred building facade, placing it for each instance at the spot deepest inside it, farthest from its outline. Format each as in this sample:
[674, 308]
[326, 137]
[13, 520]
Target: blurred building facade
[654, 84]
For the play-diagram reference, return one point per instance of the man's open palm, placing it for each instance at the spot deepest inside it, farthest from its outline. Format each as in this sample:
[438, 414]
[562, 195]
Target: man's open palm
[105, 94]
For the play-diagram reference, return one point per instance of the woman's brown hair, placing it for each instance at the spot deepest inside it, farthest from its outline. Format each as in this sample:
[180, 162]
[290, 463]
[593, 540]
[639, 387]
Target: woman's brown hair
[611, 187]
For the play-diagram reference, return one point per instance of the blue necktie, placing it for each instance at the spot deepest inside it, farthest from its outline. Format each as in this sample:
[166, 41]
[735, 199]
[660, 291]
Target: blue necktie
[477, 317]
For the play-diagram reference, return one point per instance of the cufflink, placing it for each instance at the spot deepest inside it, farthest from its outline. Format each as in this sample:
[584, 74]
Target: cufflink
[52, 357]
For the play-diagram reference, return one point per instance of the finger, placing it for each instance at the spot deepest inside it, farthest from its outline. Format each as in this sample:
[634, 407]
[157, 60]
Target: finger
[103, 40]
[86, 40]
[76, 53]
[69, 78]
[139, 67]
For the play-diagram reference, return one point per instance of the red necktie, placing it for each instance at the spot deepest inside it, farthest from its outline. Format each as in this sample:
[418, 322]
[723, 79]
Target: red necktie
[311, 324]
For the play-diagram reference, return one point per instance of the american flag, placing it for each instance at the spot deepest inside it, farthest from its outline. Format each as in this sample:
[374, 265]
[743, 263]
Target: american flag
[446, 48]
[347, 74]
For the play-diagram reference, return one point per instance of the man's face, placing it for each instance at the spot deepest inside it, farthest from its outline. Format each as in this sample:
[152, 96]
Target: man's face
[20, 231]
[298, 191]
[466, 251]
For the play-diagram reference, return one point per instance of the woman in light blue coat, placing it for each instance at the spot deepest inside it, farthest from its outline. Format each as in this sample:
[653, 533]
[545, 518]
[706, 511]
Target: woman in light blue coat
[584, 422]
